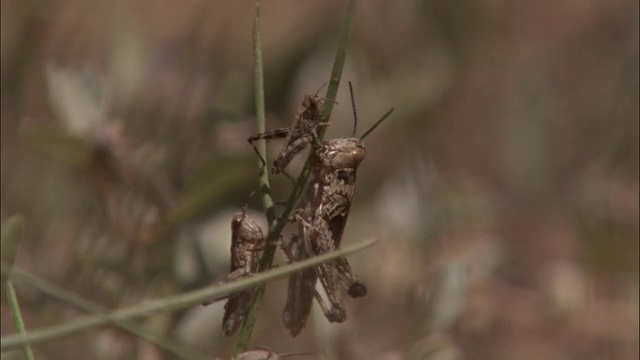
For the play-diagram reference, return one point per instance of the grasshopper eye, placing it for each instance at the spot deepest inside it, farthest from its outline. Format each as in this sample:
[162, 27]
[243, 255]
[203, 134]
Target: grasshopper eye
[343, 176]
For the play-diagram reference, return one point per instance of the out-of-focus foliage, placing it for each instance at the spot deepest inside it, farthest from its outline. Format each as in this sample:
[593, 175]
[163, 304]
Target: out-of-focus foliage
[504, 187]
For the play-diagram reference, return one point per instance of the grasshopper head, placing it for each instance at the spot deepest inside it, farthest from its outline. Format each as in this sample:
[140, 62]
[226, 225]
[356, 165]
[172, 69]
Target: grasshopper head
[346, 153]
[310, 105]
[244, 230]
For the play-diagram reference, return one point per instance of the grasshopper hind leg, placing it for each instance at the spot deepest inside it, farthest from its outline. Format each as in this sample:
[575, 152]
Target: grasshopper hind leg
[357, 289]
[336, 313]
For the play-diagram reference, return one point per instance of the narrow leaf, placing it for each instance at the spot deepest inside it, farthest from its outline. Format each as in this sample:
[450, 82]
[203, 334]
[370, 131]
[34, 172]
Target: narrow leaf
[148, 308]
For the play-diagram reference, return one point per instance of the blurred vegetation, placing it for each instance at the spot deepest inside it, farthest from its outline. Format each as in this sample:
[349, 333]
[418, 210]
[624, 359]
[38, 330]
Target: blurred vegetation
[504, 188]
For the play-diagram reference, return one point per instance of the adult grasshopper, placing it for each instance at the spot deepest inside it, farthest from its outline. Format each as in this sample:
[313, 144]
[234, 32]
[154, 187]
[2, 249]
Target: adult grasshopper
[247, 240]
[321, 217]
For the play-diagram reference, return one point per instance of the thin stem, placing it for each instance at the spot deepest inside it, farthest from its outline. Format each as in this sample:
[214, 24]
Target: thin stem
[338, 65]
[83, 304]
[17, 318]
[246, 330]
[11, 236]
[147, 308]
[267, 202]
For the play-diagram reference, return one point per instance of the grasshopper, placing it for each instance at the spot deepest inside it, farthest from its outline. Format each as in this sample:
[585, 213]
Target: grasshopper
[247, 240]
[337, 162]
[299, 135]
[322, 217]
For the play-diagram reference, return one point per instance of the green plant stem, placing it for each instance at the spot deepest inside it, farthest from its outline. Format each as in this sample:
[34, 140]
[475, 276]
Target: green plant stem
[11, 236]
[13, 342]
[338, 65]
[17, 318]
[267, 202]
[246, 330]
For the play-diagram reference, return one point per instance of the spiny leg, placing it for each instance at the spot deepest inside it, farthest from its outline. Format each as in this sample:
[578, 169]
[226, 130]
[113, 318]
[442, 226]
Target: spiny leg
[300, 289]
[267, 135]
[335, 313]
[328, 273]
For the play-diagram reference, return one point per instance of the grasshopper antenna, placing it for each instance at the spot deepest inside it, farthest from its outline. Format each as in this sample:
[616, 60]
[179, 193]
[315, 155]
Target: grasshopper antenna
[324, 98]
[355, 114]
[245, 206]
[376, 124]
[320, 88]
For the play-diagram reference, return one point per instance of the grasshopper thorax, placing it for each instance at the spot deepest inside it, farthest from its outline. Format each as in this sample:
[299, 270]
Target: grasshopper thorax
[345, 153]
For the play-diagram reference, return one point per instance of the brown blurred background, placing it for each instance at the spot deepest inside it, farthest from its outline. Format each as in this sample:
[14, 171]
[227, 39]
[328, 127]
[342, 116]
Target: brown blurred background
[504, 189]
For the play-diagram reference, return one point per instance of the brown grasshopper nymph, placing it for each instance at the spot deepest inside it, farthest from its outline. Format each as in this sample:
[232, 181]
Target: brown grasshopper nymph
[247, 240]
[299, 135]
